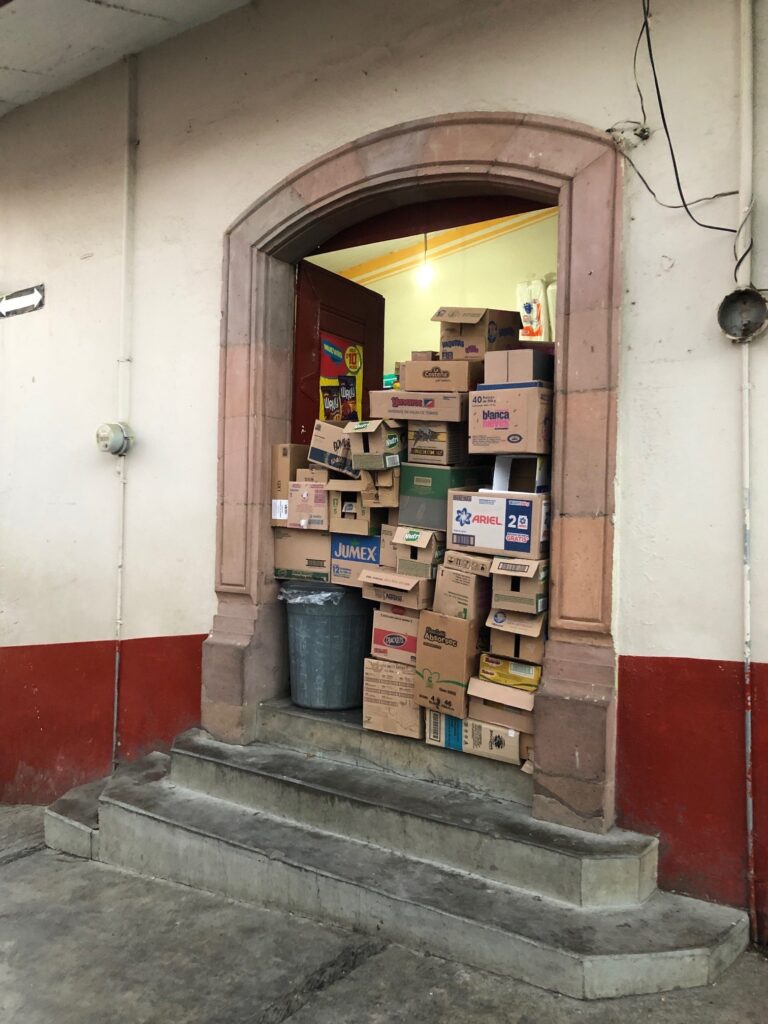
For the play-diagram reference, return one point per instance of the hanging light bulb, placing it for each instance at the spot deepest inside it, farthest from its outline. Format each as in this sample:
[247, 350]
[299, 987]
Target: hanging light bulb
[425, 272]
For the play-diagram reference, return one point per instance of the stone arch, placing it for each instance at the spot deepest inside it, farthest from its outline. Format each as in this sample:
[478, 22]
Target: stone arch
[448, 156]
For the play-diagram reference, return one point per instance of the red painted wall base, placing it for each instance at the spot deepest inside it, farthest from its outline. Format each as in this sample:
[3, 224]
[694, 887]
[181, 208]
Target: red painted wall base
[680, 773]
[56, 725]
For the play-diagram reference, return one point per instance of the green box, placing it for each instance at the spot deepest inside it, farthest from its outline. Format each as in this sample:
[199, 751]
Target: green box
[424, 491]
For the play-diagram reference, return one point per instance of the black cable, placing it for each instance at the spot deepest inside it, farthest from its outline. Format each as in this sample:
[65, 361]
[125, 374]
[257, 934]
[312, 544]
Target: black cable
[646, 30]
[668, 206]
[637, 81]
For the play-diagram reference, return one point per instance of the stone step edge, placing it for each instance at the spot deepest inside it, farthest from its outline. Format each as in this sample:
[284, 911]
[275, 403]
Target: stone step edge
[712, 954]
[652, 841]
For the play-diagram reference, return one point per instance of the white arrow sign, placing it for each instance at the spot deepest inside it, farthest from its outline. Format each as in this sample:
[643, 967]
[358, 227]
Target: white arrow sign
[23, 301]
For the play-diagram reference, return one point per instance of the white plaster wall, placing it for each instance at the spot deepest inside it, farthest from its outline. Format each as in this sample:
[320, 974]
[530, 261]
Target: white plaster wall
[228, 110]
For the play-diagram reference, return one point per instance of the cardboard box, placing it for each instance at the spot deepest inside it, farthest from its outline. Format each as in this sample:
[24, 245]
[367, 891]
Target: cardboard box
[519, 364]
[428, 355]
[302, 555]
[286, 460]
[520, 585]
[307, 506]
[348, 511]
[446, 658]
[493, 741]
[388, 704]
[449, 406]
[388, 555]
[464, 595]
[517, 635]
[499, 714]
[394, 588]
[472, 737]
[509, 696]
[499, 523]
[508, 672]
[419, 551]
[437, 444]
[395, 632]
[478, 564]
[447, 375]
[469, 332]
[376, 444]
[313, 475]
[350, 554]
[526, 747]
[511, 418]
[330, 447]
[424, 492]
[530, 473]
[381, 489]
[513, 645]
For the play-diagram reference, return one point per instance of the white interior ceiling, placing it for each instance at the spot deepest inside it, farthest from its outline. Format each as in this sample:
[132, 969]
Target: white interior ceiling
[46, 45]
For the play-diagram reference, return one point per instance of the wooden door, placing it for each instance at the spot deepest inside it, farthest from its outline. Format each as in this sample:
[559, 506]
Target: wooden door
[339, 330]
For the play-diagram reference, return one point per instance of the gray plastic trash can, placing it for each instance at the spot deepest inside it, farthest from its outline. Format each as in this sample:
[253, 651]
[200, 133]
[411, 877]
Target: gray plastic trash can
[329, 633]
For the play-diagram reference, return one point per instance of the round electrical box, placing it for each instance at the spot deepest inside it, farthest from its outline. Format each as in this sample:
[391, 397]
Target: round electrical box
[114, 438]
[743, 314]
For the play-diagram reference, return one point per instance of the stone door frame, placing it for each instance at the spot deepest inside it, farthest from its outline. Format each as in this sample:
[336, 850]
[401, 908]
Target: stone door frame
[551, 160]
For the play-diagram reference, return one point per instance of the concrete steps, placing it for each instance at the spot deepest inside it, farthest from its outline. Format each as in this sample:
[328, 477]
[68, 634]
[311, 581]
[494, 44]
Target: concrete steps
[494, 838]
[339, 734]
[426, 847]
[158, 828]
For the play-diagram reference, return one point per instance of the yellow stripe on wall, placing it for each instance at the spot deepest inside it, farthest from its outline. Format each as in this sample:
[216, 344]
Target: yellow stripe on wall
[442, 244]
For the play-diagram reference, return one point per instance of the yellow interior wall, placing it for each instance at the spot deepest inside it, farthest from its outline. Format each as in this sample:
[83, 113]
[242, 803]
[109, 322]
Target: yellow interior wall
[486, 274]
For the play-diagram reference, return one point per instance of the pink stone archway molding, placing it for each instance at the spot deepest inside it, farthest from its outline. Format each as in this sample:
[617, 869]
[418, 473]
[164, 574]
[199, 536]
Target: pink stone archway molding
[446, 156]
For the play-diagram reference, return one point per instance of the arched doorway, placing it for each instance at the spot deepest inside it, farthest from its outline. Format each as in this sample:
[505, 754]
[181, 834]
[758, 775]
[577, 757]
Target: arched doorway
[443, 157]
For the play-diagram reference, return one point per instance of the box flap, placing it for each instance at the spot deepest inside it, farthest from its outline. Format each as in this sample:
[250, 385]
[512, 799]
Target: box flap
[509, 566]
[393, 580]
[355, 486]
[460, 314]
[363, 427]
[414, 537]
[487, 690]
[516, 622]
[509, 696]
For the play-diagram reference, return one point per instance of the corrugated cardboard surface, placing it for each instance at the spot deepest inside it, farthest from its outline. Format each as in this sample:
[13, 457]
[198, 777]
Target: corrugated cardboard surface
[499, 523]
[446, 657]
[437, 444]
[395, 635]
[286, 460]
[330, 447]
[302, 554]
[464, 595]
[469, 332]
[388, 704]
[511, 418]
[350, 555]
[450, 406]
[447, 375]
[307, 506]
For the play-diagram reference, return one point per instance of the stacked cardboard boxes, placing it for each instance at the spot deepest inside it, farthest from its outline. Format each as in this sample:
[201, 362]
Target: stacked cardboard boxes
[438, 510]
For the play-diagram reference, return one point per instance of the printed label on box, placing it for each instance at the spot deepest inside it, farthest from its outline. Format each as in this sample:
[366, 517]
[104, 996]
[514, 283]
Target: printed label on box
[477, 523]
[280, 509]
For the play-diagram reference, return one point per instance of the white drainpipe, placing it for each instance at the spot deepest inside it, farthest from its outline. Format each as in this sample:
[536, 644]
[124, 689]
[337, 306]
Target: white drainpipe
[124, 361]
[744, 278]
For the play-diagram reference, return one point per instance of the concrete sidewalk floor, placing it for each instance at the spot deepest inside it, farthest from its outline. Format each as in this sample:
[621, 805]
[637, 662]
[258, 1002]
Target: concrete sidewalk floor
[81, 943]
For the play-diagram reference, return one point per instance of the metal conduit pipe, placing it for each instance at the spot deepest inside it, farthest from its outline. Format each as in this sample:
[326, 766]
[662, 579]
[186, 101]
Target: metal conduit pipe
[744, 279]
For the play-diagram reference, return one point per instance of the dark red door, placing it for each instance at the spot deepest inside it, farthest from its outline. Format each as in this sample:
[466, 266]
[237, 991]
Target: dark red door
[339, 334]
